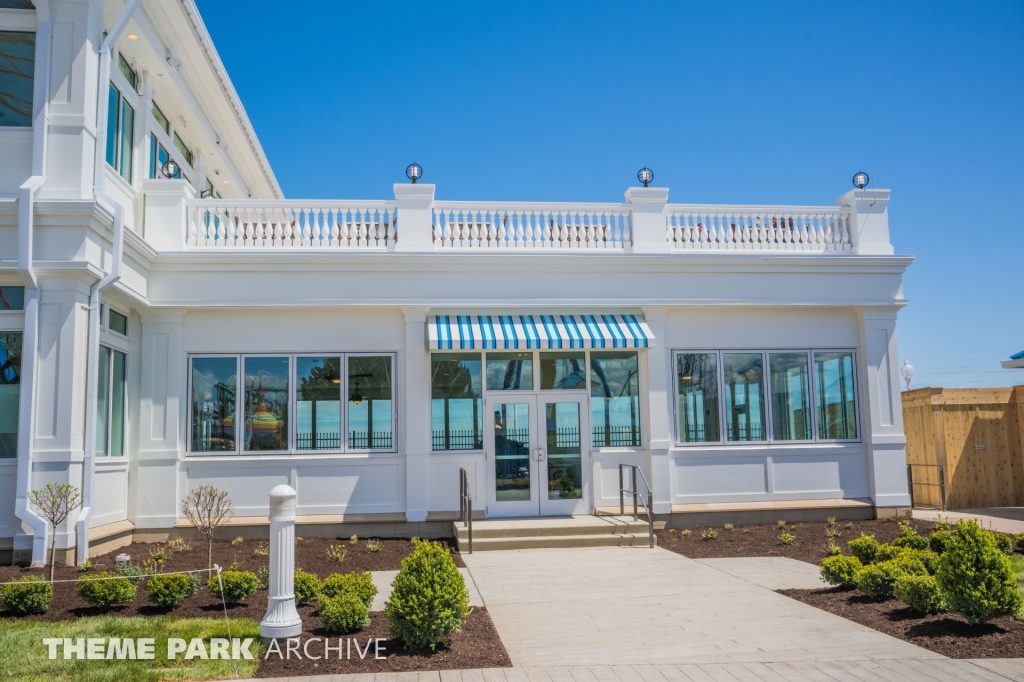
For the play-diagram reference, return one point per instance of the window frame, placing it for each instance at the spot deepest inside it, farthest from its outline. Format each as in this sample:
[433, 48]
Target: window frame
[240, 402]
[165, 139]
[394, 403]
[188, 418]
[35, 41]
[126, 93]
[110, 457]
[766, 396]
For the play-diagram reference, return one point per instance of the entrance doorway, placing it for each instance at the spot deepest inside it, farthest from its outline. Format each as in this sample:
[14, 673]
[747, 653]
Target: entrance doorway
[535, 445]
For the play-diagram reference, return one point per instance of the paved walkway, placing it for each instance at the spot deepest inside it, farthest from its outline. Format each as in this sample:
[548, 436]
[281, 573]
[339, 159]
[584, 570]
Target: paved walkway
[1003, 519]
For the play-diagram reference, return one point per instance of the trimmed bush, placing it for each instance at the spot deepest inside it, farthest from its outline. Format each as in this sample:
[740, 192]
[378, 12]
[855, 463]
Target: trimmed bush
[1018, 540]
[429, 601]
[914, 541]
[920, 592]
[937, 542]
[238, 585]
[307, 587]
[977, 578]
[888, 553]
[840, 570]
[127, 569]
[359, 584]
[194, 583]
[28, 595]
[929, 559]
[1003, 542]
[879, 580]
[343, 614]
[865, 548]
[168, 590]
[106, 593]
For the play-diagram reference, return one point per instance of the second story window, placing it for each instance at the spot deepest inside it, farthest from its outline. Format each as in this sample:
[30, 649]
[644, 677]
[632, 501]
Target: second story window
[186, 153]
[17, 70]
[161, 120]
[120, 133]
[128, 72]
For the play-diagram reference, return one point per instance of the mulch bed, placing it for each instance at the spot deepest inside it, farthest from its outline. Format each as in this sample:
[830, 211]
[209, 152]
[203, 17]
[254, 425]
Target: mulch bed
[763, 540]
[477, 646]
[945, 633]
[310, 554]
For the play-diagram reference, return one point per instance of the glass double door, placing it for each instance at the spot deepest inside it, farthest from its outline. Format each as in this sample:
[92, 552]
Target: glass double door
[535, 455]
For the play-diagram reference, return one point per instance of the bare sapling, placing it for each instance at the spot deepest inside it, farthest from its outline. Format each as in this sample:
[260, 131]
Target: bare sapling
[207, 509]
[56, 502]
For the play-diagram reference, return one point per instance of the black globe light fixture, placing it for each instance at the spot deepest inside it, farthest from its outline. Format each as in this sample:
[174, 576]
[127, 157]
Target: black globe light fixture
[414, 172]
[861, 180]
[169, 169]
[206, 194]
[645, 175]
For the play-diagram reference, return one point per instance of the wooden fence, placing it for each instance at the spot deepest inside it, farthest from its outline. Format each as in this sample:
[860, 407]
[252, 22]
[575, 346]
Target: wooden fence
[965, 445]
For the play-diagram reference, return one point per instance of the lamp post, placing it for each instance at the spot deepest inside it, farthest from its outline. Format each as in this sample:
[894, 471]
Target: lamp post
[414, 172]
[645, 175]
[169, 169]
[907, 372]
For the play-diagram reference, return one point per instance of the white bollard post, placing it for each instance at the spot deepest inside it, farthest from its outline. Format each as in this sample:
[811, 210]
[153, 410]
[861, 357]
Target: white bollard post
[282, 620]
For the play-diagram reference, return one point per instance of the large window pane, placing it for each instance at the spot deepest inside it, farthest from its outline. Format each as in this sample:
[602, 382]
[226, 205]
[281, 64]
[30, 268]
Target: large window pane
[127, 145]
[103, 402]
[113, 111]
[266, 404]
[744, 406]
[17, 69]
[369, 403]
[511, 452]
[509, 371]
[318, 403]
[117, 399]
[214, 382]
[698, 397]
[12, 298]
[565, 454]
[563, 371]
[791, 397]
[455, 401]
[837, 412]
[10, 392]
[614, 399]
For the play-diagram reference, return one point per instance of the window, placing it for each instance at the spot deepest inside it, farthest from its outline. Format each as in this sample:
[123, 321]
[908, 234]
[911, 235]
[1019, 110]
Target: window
[128, 72]
[10, 392]
[318, 403]
[614, 399]
[183, 149]
[266, 404]
[697, 396]
[110, 402]
[509, 371]
[456, 402]
[161, 120]
[791, 396]
[17, 73]
[214, 384]
[837, 412]
[778, 396]
[120, 133]
[158, 156]
[12, 298]
[369, 403]
[563, 371]
[116, 322]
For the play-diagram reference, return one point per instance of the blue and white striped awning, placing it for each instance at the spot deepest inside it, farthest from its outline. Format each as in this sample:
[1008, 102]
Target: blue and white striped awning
[546, 332]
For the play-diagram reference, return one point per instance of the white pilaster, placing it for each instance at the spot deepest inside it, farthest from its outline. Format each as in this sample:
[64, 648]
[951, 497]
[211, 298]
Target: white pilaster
[416, 411]
[881, 409]
[869, 220]
[659, 428]
[415, 221]
[647, 206]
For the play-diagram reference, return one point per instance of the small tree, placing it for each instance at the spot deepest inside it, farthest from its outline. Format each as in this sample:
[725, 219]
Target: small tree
[207, 509]
[56, 502]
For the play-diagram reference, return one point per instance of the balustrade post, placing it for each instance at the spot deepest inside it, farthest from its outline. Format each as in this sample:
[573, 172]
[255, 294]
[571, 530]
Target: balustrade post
[868, 220]
[281, 619]
[647, 215]
[415, 217]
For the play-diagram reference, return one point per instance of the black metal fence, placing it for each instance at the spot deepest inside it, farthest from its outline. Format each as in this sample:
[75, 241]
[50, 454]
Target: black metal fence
[615, 437]
[458, 440]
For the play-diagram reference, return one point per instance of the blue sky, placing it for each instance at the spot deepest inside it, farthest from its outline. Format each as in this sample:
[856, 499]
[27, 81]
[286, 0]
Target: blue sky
[727, 102]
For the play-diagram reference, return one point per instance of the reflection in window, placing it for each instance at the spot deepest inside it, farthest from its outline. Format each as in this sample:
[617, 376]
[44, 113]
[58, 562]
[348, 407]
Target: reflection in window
[110, 398]
[511, 452]
[614, 399]
[564, 454]
[744, 406]
[12, 298]
[509, 371]
[791, 410]
[266, 404]
[837, 412]
[456, 404]
[10, 392]
[698, 397]
[120, 133]
[214, 382]
[369, 403]
[17, 72]
[318, 403]
[563, 371]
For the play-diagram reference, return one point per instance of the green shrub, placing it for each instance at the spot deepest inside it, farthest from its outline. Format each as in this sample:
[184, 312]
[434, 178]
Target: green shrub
[1003, 542]
[879, 580]
[168, 590]
[929, 559]
[840, 570]
[429, 601]
[194, 583]
[127, 569]
[937, 542]
[920, 592]
[864, 548]
[28, 595]
[238, 585]
[976, 577]
[888, 552]
[343, 614]
[914, 541]
[359, 584]
[307, 587]
[1018, 540]
[106, 593]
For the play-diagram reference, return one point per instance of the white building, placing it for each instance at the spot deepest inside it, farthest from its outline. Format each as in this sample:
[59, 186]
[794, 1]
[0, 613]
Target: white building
[364, 351]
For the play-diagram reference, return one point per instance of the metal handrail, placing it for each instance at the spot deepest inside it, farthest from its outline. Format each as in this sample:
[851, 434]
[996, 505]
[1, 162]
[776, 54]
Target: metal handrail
[466, 506]
[647, 505]
[941, 485]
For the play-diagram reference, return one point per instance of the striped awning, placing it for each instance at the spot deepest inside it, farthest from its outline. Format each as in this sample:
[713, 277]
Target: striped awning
[546, 332]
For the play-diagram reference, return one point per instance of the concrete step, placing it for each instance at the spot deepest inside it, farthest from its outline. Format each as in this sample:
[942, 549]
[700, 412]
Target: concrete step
[554, 541]
[553, 526]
